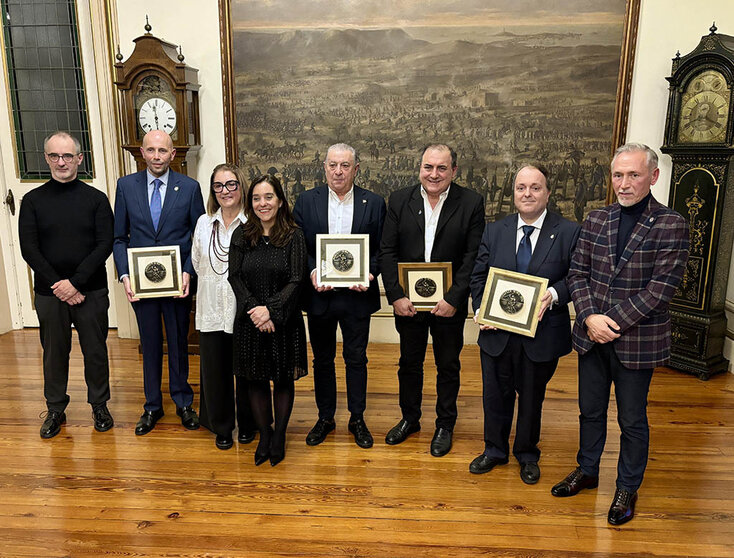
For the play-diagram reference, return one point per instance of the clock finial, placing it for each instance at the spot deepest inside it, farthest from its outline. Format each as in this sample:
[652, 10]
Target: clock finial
[180, 54]
[118, 56]
[713, 28]
[677, 55]
[147, 26]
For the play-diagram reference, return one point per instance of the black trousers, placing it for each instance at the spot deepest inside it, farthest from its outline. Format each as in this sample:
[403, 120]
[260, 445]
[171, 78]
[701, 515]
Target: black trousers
[448, 341]
[176, 316]
[220, 395]
[510, 373]
[91, 323]
[355, 336]
[597, 370]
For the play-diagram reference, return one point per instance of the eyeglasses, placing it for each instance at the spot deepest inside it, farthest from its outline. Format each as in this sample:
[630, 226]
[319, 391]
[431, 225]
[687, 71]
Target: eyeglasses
[230, 185]
[67, 157]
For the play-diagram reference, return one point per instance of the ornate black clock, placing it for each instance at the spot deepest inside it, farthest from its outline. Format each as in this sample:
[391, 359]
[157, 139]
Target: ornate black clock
[699, 137]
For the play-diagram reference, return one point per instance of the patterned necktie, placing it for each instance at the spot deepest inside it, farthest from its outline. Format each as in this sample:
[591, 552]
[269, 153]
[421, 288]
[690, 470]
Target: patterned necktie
[525, 250]
[155, 203]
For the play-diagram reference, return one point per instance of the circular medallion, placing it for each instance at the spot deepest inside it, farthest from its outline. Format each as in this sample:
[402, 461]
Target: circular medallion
[511, 301]
[343, 260]
[155, 272]
[425, 287]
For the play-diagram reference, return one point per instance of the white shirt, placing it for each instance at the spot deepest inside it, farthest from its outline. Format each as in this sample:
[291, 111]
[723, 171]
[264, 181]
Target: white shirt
[162, 189]
[432, 216]
[534, 236]
[341, 212]
[215, 302]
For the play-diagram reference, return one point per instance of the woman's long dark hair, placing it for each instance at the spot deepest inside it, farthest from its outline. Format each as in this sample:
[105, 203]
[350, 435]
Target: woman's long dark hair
[282, 229]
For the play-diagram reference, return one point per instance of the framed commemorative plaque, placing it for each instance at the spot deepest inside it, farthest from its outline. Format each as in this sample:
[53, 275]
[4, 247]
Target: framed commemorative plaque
[425, 283]
[343, 260]
[511, 301]
[155, 271]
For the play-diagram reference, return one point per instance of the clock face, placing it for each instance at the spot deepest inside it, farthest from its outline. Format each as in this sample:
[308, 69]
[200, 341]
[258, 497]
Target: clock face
[157, 114]
[705, 107]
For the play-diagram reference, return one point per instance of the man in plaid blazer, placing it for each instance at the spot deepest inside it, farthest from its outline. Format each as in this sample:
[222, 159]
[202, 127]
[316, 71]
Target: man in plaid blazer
[628, 262]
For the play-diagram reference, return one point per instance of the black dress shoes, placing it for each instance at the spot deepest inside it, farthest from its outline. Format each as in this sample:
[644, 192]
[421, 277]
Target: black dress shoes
[399, 433]
[362, 435]
[623, 507]
[441, 443]
[574, 483]
[319, 431]
[484, 464]
[147, 421]
[530, 472]
[224, 442]
[102, 418]
[189, 418]
[245, 437]
[52, 423]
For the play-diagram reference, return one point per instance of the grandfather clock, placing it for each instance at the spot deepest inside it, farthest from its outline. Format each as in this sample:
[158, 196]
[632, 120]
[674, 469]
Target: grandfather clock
[699, 137]
[158, 92]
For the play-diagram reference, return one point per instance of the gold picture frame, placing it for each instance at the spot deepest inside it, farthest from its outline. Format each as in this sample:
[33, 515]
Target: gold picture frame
[425, 283]
[343, 260]
[155, 271]
[511, 301]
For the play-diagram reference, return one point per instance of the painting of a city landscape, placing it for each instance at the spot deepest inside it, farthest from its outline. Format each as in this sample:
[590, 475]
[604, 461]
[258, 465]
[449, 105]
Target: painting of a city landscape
[503, 82]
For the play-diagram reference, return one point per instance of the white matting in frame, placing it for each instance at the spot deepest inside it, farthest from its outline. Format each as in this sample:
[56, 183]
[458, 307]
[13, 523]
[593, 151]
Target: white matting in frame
[155, 271]
[343, 260]
[511, 301]
[425, 283]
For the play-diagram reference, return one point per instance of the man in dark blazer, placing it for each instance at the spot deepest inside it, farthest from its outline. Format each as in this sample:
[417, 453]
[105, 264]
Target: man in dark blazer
[628, 263]
[537, 242]
[159, 207]
[340, 208]
[434, 221]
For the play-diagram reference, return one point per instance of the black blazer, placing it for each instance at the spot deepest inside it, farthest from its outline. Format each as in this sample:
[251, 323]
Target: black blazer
[551, 259]
[311, 212]
[457, 239]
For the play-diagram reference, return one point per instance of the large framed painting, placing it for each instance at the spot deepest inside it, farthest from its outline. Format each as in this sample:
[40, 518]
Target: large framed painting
[504, 82]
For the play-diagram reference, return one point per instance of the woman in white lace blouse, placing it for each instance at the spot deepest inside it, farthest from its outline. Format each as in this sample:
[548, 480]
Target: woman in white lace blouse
[215, 310]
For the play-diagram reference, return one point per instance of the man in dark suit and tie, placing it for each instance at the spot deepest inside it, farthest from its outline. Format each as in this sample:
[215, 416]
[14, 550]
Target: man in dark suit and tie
[434, 221]
[537, 242]
[159, 207]
[340, 208]
[628, 263]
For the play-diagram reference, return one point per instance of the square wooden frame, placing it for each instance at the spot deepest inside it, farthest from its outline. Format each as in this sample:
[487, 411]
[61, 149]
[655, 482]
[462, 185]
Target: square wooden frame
[405, 269]
[169, 257]
[327, 276]
[490, 314]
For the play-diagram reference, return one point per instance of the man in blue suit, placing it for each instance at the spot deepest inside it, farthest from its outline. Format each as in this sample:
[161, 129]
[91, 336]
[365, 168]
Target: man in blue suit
[340, 208]
[537, 242]
[159, 207]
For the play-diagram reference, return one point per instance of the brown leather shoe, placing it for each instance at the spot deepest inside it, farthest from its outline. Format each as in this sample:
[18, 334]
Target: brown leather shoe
[623, 507]
[574, 483]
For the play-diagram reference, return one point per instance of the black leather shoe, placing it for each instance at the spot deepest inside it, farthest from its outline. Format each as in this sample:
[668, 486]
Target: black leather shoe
[574, 483]
[52, 423]
[362, 435]
[623, 507]
[224, 442]
[484, 464]
[189, 418]
[319, 431]
[441, 443]
[147, 421]
[103, 420]
[401, 431]
[245, 437]
[530, 472]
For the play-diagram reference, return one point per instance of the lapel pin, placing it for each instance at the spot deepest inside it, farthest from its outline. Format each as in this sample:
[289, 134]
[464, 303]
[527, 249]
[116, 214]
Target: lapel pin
[651, 219]
[420, 211]
[553, 236]
[364, 201]
[175, 188]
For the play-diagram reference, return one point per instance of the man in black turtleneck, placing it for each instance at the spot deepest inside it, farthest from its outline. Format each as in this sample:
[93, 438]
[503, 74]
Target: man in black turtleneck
[66, 233]
[628, 262]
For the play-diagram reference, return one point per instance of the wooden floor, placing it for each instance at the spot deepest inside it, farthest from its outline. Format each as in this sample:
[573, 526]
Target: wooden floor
[172, 493]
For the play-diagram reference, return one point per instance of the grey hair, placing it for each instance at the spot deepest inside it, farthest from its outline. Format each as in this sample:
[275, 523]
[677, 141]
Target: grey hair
[343, 147]
[630, 147]
[61, 133]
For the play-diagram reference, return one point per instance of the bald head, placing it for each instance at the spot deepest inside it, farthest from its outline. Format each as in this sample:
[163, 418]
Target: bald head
[157, 151]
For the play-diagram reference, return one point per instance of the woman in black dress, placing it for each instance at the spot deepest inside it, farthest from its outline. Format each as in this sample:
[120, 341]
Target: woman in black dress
[267, 269]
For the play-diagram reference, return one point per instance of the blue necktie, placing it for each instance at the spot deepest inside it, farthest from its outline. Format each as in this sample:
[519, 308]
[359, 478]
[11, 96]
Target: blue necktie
[525, 250]
[155, 203]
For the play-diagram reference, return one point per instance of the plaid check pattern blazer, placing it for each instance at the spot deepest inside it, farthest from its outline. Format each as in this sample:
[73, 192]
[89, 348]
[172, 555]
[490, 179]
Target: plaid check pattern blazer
[635, 292]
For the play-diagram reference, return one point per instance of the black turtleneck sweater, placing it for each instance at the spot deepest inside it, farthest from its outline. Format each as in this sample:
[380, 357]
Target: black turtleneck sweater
[628, 218]
[66, 232]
